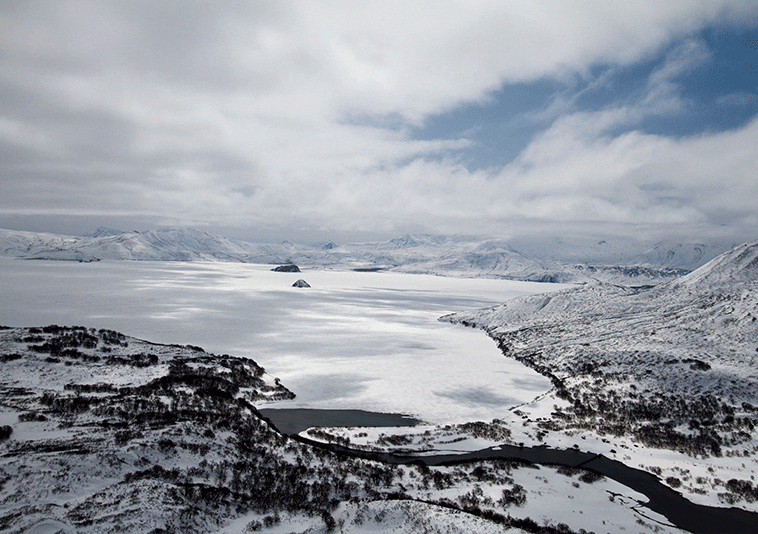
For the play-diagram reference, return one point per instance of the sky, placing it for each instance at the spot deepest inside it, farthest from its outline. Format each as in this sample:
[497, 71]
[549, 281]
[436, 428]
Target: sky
[344, 120]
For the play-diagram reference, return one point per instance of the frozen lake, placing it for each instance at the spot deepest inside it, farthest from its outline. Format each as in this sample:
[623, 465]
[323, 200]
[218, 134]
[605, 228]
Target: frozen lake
[368, 341]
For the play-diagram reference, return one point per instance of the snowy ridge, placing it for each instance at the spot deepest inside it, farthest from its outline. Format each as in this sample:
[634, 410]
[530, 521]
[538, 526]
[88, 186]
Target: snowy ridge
[158, 245]
[733, 268]
[670, 367]
[688, 256]
[711, 313]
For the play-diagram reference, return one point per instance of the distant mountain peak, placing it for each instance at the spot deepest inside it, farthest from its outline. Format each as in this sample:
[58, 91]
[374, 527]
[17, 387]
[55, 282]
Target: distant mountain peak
[416, 240]
[407, 240]
[732, 267]
[678, 255]
[104, 231]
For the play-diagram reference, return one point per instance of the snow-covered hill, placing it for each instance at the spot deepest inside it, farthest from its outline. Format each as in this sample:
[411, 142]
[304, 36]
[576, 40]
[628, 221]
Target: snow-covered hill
[674, 255]
[718, 301]
[545, 259]
[674, 366]
[158, 245]
[101, 432]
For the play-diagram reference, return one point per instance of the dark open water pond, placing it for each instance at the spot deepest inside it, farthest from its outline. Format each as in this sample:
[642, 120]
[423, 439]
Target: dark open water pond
[295, 420]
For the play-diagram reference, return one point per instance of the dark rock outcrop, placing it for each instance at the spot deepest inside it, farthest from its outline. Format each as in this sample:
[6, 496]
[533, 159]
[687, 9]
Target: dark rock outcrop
[290, 268]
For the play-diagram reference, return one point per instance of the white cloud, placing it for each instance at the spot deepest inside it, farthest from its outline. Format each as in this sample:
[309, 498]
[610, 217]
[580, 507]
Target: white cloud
[576, 173]
[663, 95]
[238, 113]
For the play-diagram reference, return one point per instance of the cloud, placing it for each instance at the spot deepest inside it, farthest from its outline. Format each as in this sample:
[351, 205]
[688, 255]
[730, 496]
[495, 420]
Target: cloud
[663, 93]
[245, 114]
[576, 172]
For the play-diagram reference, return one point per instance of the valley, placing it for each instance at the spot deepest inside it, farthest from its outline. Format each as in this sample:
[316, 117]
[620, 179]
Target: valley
[658, 380]
[113, 433]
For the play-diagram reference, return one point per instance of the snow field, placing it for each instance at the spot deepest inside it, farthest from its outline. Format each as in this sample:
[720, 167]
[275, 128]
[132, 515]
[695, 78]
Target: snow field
[354, 340]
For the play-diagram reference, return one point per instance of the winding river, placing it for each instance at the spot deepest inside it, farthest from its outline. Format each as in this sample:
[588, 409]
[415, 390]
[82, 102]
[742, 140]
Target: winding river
[671, 504]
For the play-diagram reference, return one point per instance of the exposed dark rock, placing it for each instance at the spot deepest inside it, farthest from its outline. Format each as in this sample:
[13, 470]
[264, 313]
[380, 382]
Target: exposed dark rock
[290, 268]
[301, 283]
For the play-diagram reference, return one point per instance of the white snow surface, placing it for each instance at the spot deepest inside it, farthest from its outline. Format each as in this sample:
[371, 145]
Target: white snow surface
[691, 338]
[354, 340]
[371, 341]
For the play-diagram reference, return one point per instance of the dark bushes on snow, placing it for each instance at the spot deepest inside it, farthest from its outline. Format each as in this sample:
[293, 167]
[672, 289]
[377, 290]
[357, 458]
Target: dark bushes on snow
[743, 488]
[588, 477]
[31, 416]
[514, 496]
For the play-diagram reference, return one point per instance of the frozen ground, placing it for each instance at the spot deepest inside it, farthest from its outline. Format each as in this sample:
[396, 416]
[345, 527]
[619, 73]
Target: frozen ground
[114, 434]
[353, 340]
[663, 378]
[372, 341]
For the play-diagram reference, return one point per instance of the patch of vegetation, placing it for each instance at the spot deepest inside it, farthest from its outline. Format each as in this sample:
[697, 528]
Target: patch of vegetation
[739, 490]
[395, 440]
[111, 337]
[91, 388]
[134, 360]
[495, 431]
[31, 416]
[608, 403]
[323, 435]
[589, 477]
[516, 496]
[64, 338]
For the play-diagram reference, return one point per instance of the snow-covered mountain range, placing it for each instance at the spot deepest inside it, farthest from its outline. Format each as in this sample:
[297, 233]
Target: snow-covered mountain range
[161, 245]
[544, 259]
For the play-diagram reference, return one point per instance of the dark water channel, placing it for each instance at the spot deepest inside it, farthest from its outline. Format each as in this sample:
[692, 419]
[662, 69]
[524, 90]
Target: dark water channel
[661, 499]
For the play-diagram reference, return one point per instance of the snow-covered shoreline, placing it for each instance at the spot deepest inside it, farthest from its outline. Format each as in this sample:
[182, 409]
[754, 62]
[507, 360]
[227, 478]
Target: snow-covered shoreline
[687, 347]
[174, 445]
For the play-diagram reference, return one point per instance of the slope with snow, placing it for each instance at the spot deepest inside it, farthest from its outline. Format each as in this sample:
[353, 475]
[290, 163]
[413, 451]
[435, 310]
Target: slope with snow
[158, 245]
[674, 367]
[675, 255]
[108, 433]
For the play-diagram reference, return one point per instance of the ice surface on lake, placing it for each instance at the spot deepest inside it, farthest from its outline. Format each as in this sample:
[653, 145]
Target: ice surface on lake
[353, 340]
